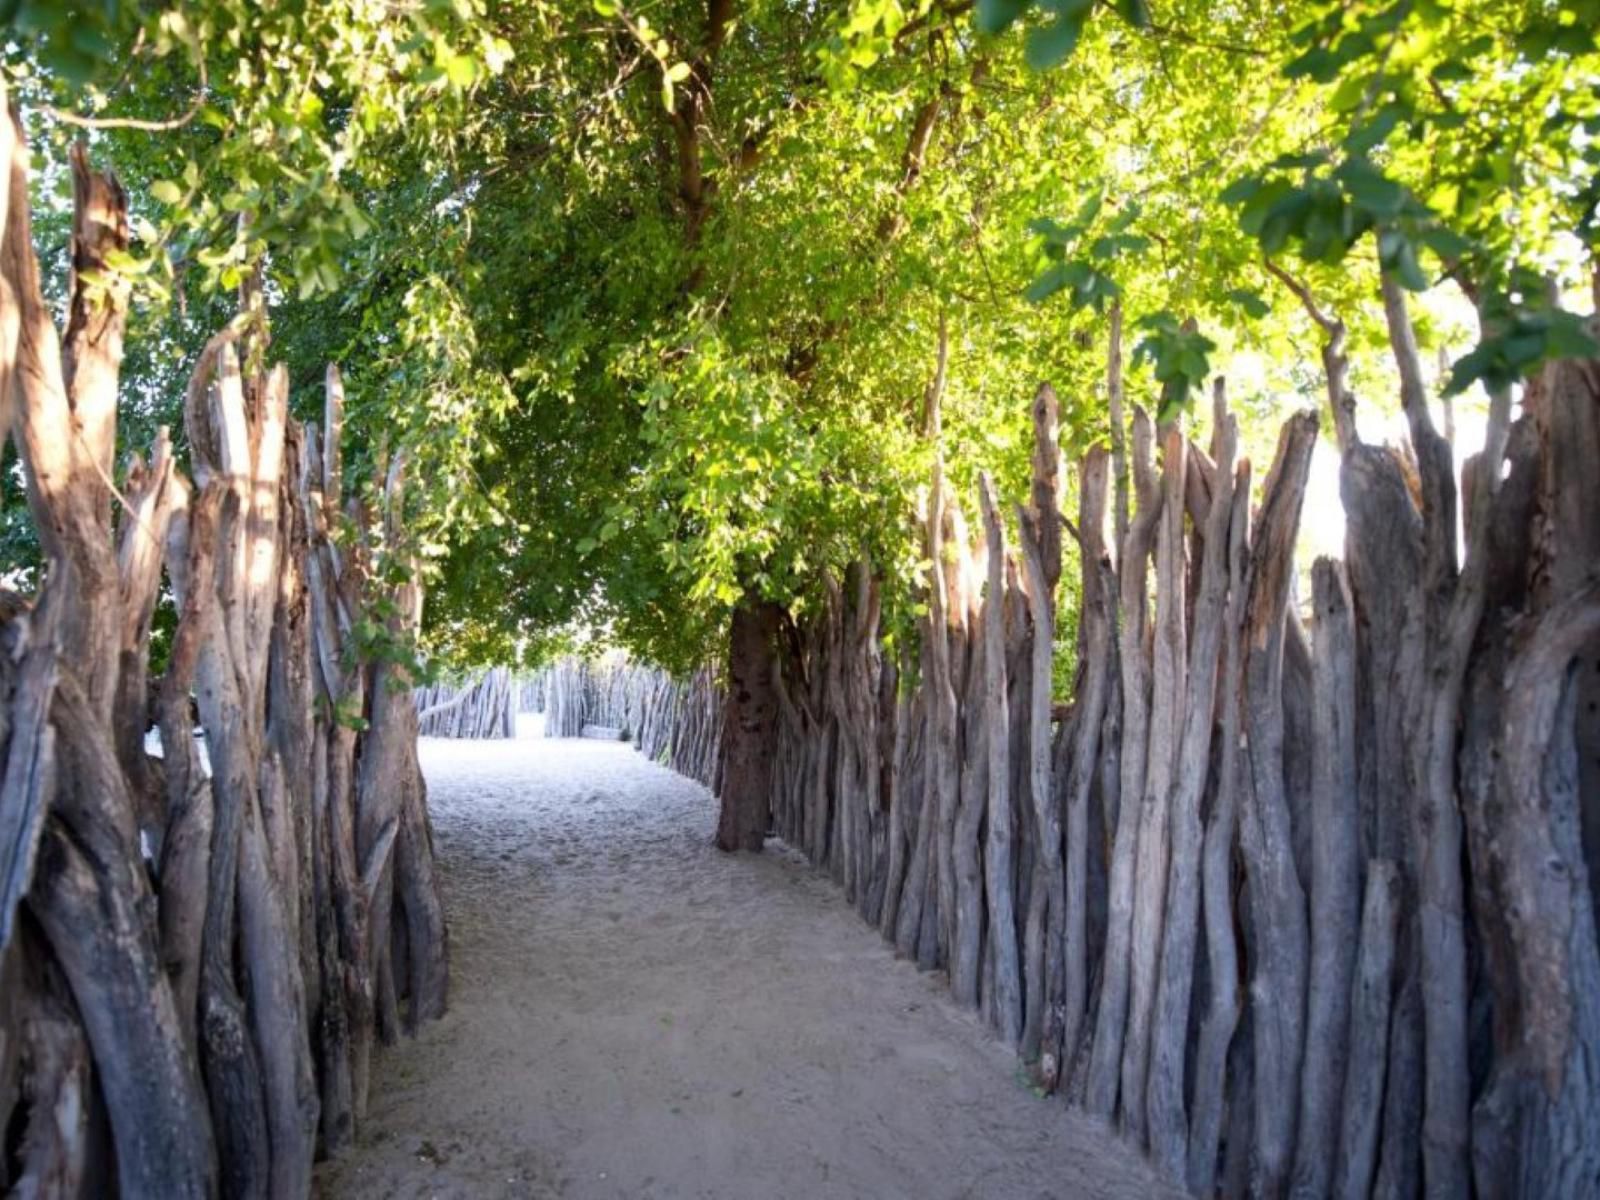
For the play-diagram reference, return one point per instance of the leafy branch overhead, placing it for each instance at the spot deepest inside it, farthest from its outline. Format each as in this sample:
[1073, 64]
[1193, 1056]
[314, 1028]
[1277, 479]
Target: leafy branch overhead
[1179, 358]
[278, 106]
[660, 50]
[1398, 158]
[651, 293]
[1080, 263]
[1049, 42]
[1409, 165]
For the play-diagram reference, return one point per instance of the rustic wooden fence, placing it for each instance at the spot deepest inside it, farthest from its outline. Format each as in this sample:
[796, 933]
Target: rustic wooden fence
[483, 708]
[677, 723]
[530, 692]
[197, 950]
[1301, 899]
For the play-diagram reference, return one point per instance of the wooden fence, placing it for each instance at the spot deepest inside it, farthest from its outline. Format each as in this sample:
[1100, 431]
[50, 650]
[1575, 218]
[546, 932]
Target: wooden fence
[197, 950]
[484, 708]
[1297, 899]
[677, 723]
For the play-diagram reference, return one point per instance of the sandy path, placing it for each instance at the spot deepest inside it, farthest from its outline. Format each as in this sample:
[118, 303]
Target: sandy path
[636, 1015]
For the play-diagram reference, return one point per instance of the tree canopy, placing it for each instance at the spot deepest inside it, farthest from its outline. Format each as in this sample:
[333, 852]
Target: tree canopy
[653, 291]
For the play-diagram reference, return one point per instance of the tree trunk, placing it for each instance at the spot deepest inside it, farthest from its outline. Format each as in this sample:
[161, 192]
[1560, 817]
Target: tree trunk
[1167, 698]
[1453, 604]
[1221, 1019]
[141, 542]
[1170, 1022]
[908, 710]
[1039, 536]
[261, 924]
[1278, 978]
[749, 726]
[1042, 957]
[98, 926]
[956, 771]
[1105, 1064]
[1370, 1001]
[60, 1149]
[1335, 883]
[186, 847]
[998, 864]
[91, 892]
[919, 867]
[968, 954]
[1098, 659]
[1537, 1124]
[1568, 418]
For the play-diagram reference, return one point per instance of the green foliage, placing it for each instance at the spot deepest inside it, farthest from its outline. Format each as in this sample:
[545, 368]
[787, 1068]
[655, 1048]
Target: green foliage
[1525, 336]
[1179, 357]
[250, 118]
[651, 307]
[1087, 276]
[1467, 142]
[1049, 43]
[1481, 197]
[72, 41]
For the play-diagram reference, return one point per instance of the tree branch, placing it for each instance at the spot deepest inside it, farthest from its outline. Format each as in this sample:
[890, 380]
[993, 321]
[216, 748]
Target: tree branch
[1335, 363]
[178, 122]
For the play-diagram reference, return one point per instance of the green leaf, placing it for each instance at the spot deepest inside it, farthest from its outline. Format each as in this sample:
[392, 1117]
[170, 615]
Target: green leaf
[166, 192]
[1053, 231]
[1174, 398]
[92, 43]
[1375, 132]
[1135, 13]
[1089, 209]
[1277, 211]
[1568, 337]
[1049, 45]
[1253, 305]
[1274, 216]
[1048, 284]
[1241, 190]
[1110, 246]
[1370, 188]
[462, 70]
[996, 16]
[1403, 264]
[1446, 243]
[1521, 350]
[1318, 63]
[1125, 218]
[1162, 321]
[1298, 160]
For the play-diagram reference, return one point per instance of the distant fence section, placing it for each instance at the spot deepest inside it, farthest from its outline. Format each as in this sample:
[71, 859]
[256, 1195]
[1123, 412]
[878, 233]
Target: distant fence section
[483, 708]
[674, 722]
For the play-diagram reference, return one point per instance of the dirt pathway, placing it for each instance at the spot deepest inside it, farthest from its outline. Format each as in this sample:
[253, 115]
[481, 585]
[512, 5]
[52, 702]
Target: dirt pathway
[636, 1015]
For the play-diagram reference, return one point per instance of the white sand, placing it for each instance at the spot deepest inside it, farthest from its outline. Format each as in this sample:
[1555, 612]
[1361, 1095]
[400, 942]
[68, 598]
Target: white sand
[634, 1014]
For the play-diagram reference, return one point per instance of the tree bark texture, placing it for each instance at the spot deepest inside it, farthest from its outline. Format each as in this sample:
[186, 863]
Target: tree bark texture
[186, 963]
[749, 727]
[1238, 926]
